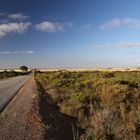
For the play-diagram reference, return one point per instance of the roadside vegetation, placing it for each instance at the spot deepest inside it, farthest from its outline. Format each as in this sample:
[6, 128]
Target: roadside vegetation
[106, 104]
[24, 68]
[8, 74]
[12, 73]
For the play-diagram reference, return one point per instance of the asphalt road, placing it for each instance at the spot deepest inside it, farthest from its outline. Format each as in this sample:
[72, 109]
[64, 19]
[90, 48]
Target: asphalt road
[9, 87]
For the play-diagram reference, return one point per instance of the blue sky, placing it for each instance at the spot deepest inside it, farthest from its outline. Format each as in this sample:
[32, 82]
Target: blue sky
[69, 33]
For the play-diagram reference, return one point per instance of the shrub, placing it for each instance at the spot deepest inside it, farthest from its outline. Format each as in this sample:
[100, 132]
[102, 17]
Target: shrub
[106, 104]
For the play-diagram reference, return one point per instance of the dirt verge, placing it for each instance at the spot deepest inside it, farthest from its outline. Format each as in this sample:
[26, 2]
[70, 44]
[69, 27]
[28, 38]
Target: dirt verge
[59, 126]
[20, 119]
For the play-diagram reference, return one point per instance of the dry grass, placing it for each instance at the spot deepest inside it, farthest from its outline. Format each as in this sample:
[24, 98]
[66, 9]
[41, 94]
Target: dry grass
[105, 103]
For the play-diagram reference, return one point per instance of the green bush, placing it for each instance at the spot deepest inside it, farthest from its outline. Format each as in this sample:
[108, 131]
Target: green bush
[107, 104]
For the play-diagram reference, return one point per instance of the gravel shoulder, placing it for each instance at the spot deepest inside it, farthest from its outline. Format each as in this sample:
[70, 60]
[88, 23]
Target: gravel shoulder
[20, 119]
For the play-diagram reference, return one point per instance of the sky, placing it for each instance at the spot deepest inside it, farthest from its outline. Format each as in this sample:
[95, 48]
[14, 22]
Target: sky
[69, 33]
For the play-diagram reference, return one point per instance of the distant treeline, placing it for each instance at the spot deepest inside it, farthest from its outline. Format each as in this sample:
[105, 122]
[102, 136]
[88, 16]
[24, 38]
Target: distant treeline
[12, 73]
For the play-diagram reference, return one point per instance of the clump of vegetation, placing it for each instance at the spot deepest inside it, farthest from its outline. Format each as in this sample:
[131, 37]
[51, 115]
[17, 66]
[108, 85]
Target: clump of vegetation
[12, 73]
[107, 104]
[24, 68]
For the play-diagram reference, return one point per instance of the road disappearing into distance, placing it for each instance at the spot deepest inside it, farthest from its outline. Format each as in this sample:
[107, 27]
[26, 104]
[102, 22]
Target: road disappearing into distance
[9, 87]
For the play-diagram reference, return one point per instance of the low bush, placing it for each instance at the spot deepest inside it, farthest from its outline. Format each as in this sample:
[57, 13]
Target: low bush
[107, 104]
[12, 73]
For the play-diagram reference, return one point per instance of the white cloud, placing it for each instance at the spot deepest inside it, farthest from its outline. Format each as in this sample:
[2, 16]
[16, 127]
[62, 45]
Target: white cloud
[110, 24]
[100, 46]
[6, 28]
[16, 52]
[18, 16]
[49, 26]
[128, 44]
[132, 22]
[116, 22]
[119, 45]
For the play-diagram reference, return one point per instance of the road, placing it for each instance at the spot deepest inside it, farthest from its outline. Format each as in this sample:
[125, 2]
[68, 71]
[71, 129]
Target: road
[9, 87]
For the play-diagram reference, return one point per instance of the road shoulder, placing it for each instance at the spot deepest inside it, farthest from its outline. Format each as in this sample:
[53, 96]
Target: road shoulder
[20, 119]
